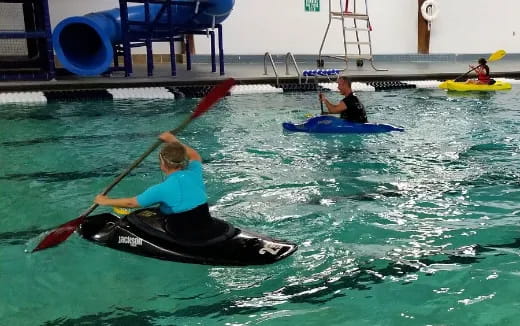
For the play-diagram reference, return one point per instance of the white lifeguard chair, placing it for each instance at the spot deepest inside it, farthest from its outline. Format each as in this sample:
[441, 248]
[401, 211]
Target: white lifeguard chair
[356, 26]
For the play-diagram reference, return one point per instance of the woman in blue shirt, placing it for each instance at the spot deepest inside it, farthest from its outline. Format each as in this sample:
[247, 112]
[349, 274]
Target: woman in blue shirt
[181, 196]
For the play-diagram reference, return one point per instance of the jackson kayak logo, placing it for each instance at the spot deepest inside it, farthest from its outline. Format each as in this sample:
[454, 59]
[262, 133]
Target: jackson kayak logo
[132, 241]
[270, 247]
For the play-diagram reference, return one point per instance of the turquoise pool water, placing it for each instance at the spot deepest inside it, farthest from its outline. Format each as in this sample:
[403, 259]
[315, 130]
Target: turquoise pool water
[413, 228]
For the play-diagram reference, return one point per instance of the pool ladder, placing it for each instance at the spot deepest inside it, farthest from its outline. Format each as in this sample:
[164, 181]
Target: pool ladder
[288, 59]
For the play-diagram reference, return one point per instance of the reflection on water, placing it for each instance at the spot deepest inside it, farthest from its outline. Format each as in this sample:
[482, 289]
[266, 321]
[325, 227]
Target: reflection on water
[419, 226]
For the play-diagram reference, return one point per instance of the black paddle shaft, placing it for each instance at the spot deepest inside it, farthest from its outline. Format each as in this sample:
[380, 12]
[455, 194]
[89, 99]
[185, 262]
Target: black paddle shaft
[458, 79]
[319, 92]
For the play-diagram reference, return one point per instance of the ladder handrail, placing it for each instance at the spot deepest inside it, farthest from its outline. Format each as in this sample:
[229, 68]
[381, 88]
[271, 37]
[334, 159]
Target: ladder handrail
[357, 31]
[287, 56]
[326, 32]
[268, 55]
[343, 27]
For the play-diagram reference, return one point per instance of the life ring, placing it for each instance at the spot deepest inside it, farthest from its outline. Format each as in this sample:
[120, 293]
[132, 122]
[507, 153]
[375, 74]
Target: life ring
[431, 14]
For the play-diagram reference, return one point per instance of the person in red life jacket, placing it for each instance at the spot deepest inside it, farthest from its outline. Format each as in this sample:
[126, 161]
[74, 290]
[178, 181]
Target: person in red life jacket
[350, 108]
[482, 71]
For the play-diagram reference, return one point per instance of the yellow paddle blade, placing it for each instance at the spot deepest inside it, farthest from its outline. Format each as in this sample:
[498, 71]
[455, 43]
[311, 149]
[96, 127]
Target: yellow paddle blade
[121, 211]
[497, 55]
[309, 115]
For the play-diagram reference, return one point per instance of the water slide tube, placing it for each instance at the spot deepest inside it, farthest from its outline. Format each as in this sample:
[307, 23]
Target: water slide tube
[83, 44]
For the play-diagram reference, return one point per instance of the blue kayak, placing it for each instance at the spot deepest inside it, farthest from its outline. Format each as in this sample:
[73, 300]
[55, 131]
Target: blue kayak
[330, 124]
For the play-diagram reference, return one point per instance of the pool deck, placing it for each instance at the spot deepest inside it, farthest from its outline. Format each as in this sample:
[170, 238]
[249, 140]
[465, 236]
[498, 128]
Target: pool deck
[252, 72]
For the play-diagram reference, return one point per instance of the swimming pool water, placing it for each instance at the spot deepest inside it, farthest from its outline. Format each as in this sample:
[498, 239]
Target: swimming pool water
[413, 228]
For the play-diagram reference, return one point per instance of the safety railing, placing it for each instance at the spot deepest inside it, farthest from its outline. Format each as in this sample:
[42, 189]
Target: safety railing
[290, 56]
[266, 56]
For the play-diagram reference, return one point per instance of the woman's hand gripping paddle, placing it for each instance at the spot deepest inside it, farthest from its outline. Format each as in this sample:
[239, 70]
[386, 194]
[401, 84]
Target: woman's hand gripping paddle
[493, 57]
[62, 232]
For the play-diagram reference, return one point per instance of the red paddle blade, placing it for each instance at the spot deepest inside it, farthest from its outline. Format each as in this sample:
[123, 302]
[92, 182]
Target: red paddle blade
[216, 93]
[60, 234]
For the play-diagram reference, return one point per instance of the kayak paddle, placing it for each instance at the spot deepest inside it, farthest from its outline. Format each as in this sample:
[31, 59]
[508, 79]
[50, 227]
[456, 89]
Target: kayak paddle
[319, 92]
[493, 57]
[62, 232]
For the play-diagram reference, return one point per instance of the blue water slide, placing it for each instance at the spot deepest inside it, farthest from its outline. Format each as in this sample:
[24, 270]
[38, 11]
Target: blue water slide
[84, 44]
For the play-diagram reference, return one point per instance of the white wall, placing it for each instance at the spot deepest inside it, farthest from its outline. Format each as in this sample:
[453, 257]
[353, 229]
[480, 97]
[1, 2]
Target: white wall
[61, 9]
[280, 26]
[476, 26]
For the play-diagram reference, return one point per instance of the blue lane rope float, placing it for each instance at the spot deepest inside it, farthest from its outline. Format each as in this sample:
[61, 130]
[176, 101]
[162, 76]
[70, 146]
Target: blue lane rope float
[321, 72]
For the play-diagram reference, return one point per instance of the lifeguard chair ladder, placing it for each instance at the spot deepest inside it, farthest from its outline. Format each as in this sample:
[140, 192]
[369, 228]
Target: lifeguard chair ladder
[360, 22]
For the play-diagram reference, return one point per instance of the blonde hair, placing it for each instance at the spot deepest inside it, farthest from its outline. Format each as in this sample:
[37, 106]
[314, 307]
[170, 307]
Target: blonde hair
[174, 155]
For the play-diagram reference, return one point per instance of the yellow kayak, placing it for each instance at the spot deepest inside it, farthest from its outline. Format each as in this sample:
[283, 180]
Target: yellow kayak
[463, 86]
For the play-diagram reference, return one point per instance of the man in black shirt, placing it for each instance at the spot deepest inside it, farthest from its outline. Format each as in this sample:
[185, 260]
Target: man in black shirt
[350, 108]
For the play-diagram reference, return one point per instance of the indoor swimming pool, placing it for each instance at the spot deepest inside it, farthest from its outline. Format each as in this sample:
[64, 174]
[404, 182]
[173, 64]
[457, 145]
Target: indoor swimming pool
[409, 228]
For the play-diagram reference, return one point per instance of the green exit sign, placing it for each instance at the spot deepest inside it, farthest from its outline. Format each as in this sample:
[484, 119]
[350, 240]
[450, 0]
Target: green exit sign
[312, 5]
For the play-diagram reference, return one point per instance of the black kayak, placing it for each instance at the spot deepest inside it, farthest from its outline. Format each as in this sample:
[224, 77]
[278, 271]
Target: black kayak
[142, 232]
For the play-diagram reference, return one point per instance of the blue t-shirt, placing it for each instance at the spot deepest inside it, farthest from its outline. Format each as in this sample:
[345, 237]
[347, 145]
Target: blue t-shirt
[181, 191]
